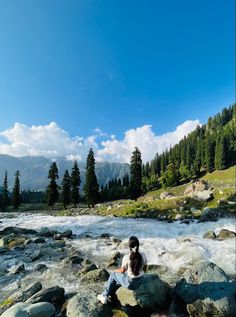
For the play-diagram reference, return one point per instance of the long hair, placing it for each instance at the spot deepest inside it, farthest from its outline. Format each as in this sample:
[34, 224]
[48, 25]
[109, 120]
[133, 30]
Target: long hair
[136, 259]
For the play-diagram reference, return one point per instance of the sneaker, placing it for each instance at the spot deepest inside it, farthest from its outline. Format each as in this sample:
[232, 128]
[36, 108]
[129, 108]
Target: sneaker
[103, 299]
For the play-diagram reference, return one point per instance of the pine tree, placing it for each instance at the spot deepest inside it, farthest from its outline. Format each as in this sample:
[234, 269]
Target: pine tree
[91, 187]
[220, 152]
[16, 197]
[135, 174]
[52, 189]
[209, 153]
[5, 197]
[66, 189]
[75, 183]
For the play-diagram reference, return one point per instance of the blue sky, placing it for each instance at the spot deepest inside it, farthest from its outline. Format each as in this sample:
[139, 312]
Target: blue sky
[115, 65]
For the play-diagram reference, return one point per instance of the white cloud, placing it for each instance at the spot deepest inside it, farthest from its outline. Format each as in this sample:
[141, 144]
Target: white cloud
[51, 141]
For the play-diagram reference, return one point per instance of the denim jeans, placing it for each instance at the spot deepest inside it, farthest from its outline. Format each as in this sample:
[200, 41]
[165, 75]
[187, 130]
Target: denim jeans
[121, 279]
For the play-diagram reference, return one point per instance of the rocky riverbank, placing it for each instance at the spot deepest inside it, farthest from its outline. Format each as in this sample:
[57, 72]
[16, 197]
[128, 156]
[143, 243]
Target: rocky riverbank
[50, 272]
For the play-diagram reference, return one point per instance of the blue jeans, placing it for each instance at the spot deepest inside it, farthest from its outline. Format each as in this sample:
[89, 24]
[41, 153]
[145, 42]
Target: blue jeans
[121, 279]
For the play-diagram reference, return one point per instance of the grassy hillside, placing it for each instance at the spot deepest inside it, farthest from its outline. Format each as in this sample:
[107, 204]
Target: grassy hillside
[150, 204]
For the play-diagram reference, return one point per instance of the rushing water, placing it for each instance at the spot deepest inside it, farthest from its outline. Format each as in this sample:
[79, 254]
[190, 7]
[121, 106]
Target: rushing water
[173, 245]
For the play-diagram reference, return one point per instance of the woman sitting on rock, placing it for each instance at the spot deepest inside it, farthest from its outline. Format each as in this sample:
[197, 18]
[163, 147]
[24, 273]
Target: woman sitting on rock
[130, 274]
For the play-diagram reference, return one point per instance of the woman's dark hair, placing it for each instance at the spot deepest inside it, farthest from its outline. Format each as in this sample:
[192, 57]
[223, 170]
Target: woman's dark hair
[136, 259]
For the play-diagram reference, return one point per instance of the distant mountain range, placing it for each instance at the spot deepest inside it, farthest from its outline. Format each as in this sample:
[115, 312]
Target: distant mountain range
[34, 170]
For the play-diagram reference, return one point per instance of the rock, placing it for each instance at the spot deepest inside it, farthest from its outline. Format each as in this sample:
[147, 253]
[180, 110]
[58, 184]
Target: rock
[209, 235]
[67, 234]
[36, 256]
[39, 240]
[178, 216]
[204, 195]
[16, 230]
[35, 310]
[23, 295]
[114, 260]
[226, 234]
[189, 190]
[87, 268]
[197, 186]
[232, 203]
[206, 291]
[46, 232]
[85, 304]
[58, 244]
[40, 267]
[99, 275]
[210, 214]
[166, 195]
[17, 269]
[74, 260]
[54, 295]
[104, 236]
[153, 294]
[6, 239]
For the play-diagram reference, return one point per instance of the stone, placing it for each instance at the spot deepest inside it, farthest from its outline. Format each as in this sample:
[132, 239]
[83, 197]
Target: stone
[36, 256]
[20, 268]
[54, 295]
[204, 195]
[40, 267]
[58, 244]
[209, 235]
[153, 294]
[166, 195]
[95, 276]
[85, 304]
[6, 239]
[46, 232]
[23, 295]
[114, 260]
[206, 291]
[17, 230]
[67, 234]
[87, 268]
[226, 234]
[39, 240]
[211, 214]
[34, 310]
[197, 186]
[74, 260]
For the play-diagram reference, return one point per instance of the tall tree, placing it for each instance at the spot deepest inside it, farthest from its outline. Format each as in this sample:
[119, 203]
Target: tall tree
[135, 174]
[5, 197]
[66, 189]
[220, 152]
[16, 197]
[52, 189]
[75, 183]
[91, 187]
[209, 153]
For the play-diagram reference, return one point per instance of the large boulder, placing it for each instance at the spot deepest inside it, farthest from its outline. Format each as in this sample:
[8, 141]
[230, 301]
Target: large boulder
[95, 276]
[152, 293]
[34, 310]
[206, 291]
[85, 304]
[204, 195]
[17, 230]
[54, 295]
[209, 235]
[226, 234]
[199, 191]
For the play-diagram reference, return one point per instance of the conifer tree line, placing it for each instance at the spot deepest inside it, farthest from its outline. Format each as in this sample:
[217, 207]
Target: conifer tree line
[10, 198]
[209, 147]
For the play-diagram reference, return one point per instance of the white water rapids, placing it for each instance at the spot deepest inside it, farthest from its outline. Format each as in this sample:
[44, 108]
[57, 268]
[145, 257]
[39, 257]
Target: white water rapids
[174, 245]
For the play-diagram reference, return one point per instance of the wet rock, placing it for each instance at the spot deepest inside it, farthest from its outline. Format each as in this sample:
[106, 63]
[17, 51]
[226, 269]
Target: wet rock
[105, 236]
[35, 310]
[16, 230]
[74, 260]
[40, 267]
[46, 232]
[85, 304]
[17, 269]
[39, 240]
[87, 268]
[209, 235]
[6, 239]
[58, 244]
[54, 295]
[207, 291]
[211, 214]
[152, 293]
[99, 275]
[67, 234]
[226, 234]
[114, 260]
[36, 256]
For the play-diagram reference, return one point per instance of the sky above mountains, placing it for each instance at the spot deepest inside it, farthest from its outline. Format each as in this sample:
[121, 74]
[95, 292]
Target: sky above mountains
[111, 74]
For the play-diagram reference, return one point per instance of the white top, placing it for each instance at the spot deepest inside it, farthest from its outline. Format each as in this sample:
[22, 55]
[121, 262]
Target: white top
[126, 265]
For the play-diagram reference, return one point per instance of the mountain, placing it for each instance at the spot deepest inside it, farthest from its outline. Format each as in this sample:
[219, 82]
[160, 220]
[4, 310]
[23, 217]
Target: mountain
[34, 170]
